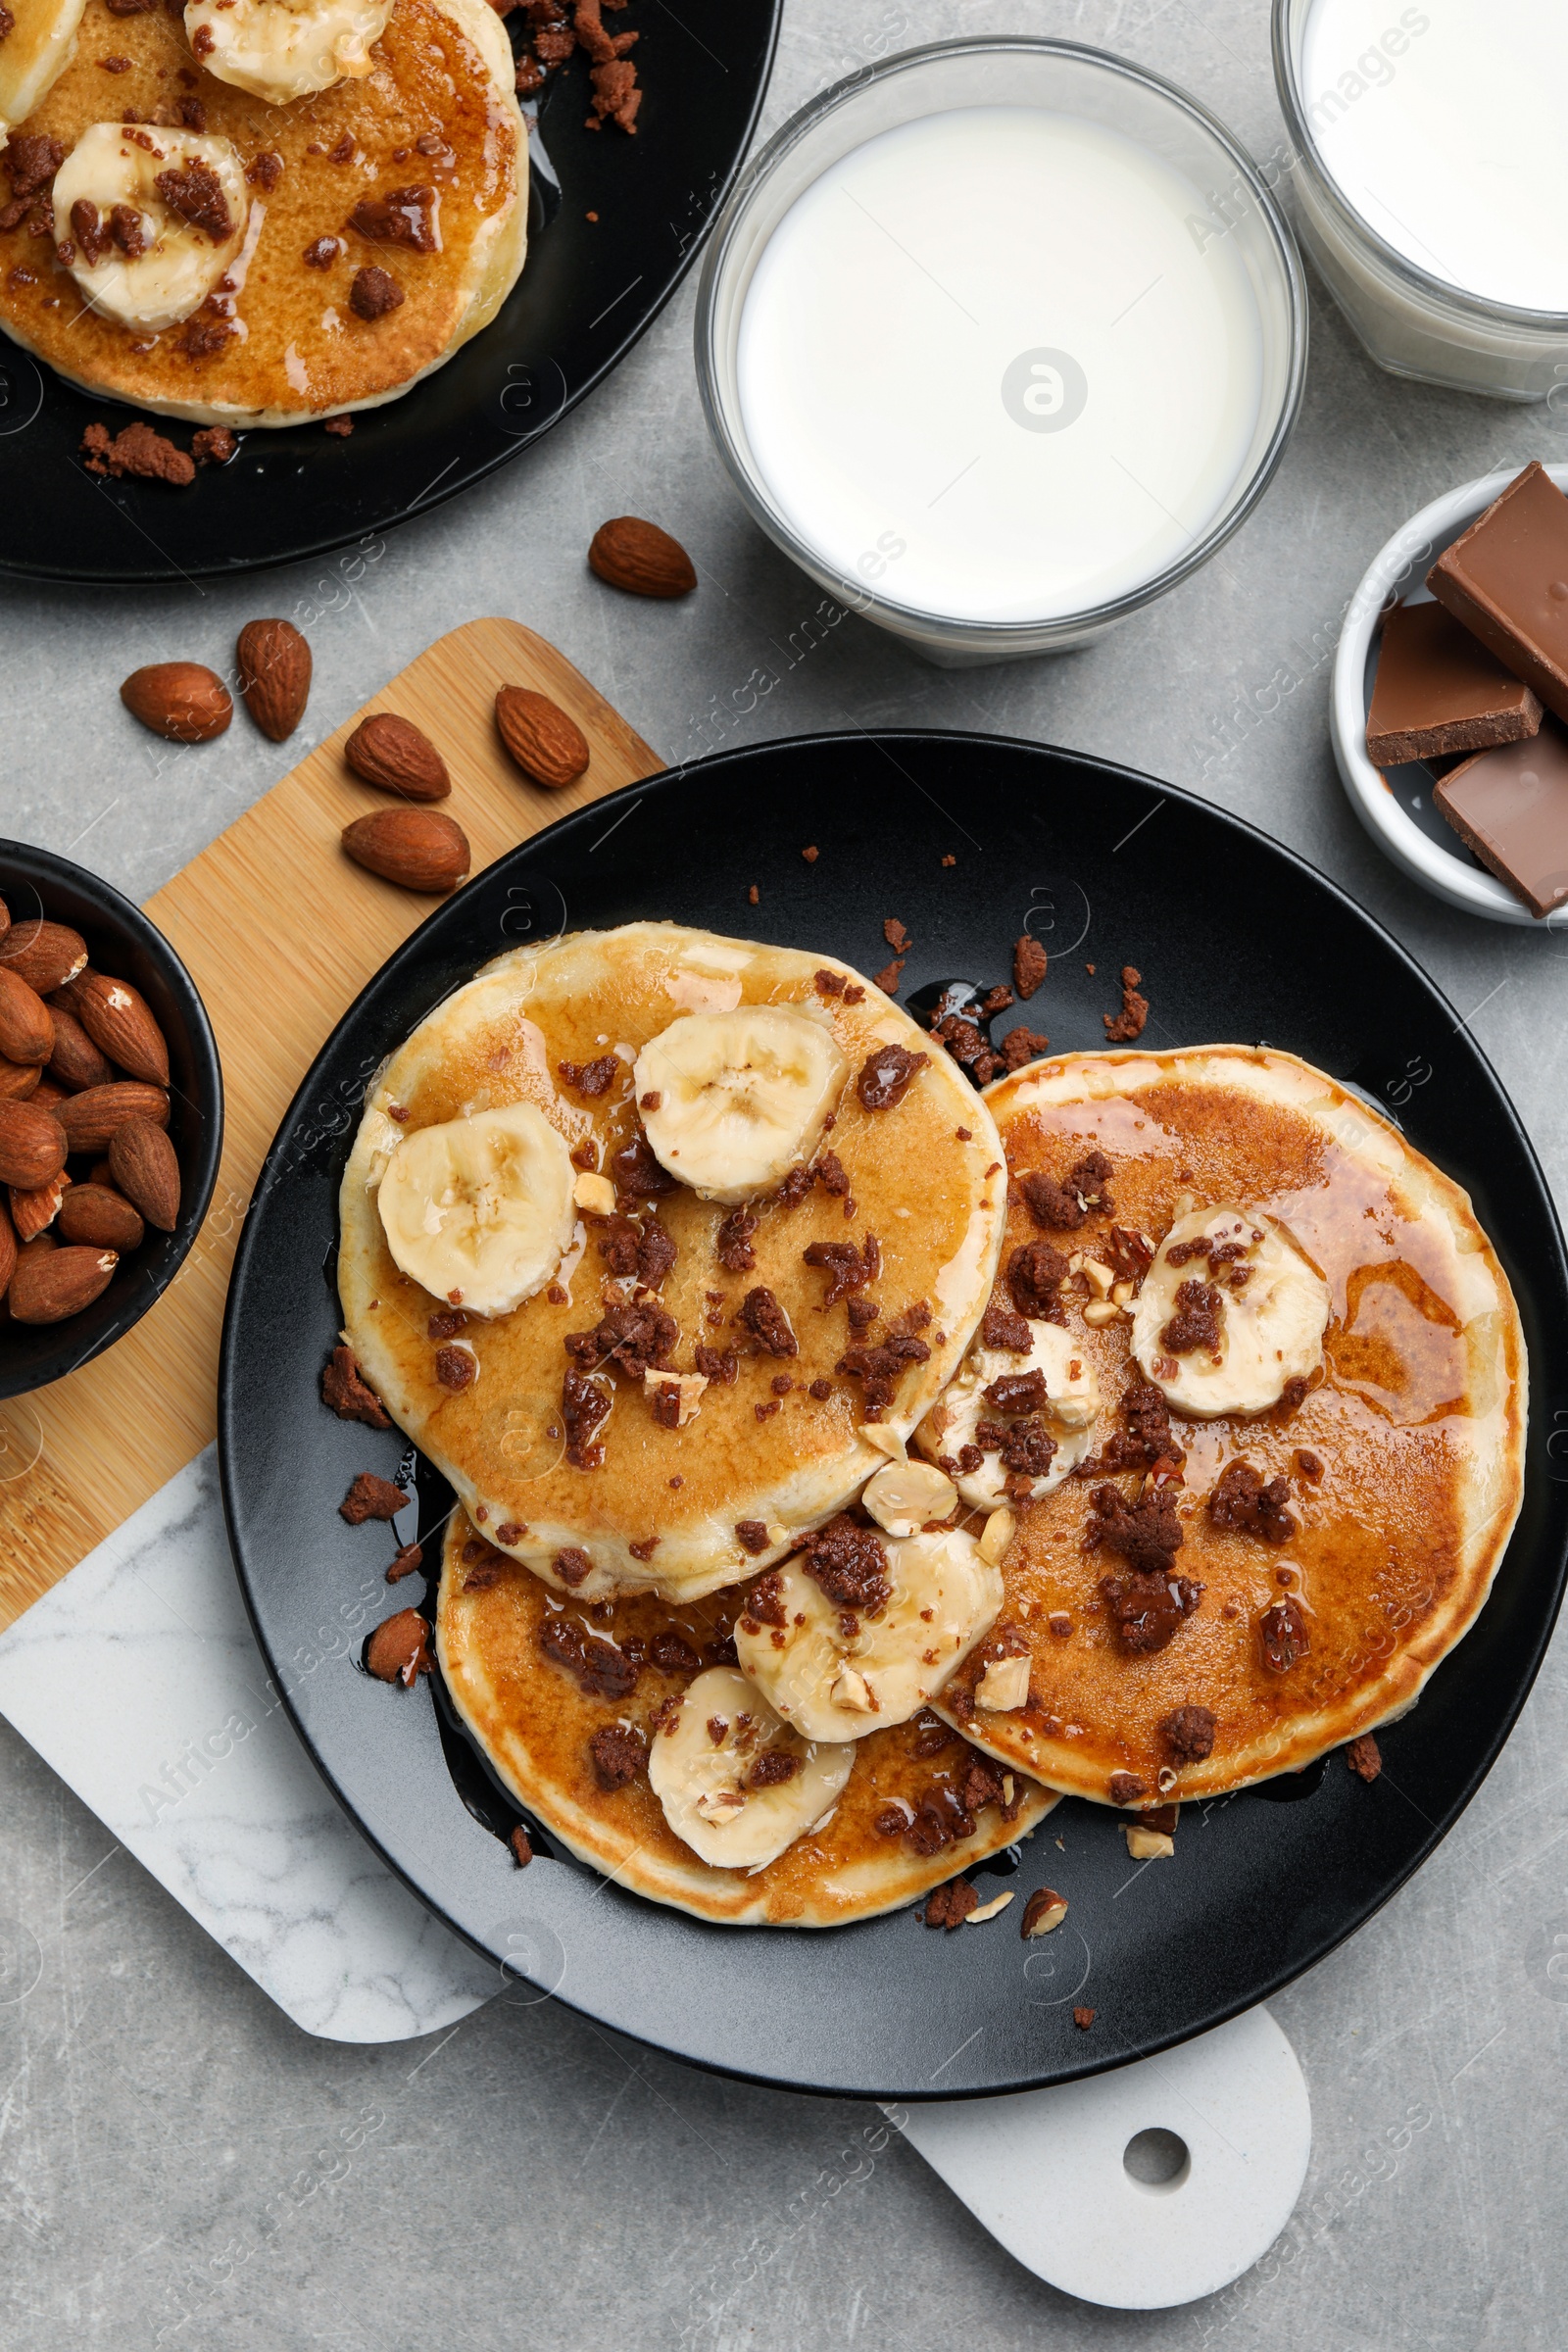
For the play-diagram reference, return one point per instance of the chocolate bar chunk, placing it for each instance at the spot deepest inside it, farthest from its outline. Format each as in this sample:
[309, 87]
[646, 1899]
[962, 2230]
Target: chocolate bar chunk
[1510, 806]
[1438, 691]
[1507, 580]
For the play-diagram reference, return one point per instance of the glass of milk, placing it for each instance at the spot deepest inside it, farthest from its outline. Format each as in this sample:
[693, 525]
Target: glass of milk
[1429, 142]
[999, 339]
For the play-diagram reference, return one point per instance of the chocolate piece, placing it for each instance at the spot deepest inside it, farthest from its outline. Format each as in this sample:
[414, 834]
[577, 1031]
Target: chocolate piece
[1438, 691]
[1510, 806]
[1507, 578]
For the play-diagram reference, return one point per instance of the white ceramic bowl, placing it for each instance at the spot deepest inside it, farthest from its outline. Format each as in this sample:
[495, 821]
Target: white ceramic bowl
[1398, 811]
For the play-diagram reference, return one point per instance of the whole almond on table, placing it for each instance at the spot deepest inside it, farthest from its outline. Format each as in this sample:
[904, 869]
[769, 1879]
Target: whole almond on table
[274, 675]
[142, 1163]
[642, 558]
[26, 1031]
[33, 1146]
[96, 1213]
[546, 744]
[90, 1120]
[75, 1061]
[50, 1285]
[416, 847]
[44, 955]
[18, 1080]
[117, 1018]
[394, 754]
[31, 1213]
[182, 699]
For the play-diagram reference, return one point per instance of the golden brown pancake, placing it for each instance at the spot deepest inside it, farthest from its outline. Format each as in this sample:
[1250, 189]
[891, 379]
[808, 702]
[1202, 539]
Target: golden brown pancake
[533, 1719]
[777, 1446]
[1402, 1464]
[296, 348]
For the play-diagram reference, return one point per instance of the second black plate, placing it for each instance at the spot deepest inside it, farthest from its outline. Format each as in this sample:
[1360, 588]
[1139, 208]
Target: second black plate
[1237, 941]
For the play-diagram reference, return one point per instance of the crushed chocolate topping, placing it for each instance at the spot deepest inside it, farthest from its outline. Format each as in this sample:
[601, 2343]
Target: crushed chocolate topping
[879, 1369]
[573, 1565]
[33, 160]
[1146, 1533]
[584, 1402]
[1282, 1632]
[1148, 1611]
[129, 230]
[599, 1668]
[1309, 1465]
[92, 237]
[374, 293]
[1364, 1757]
[765, 1320]
[1029, 963]
[455, 1368]
[591, 1078]
[887, 978]
[202, 339]
[509, 1532]
[322, 252]
[950, 1906]
[371, 1497]
[752, 1535]
[631, 1334]
[827, 983]
[1122, 1027]
[733, 1244]
[720, 1366]
[402, 216]
[264, 171]
[1125, 1789]
[847, 1268]
[672, 1653]
[886, 1076]
[1147, 1439]
[772, 1768]
[1017, 1392]
[996, 1000]
[1021, 1046]
[138, 451]
[850, 1563]
[895, 934]
[931, 1735]
[1196, 1324]
[796, 1185]
[446, 1323]
[618, 1755]
[195, 192]
[406, 1559]
[635, 1171]
[1294, 1396]
[1189, 1734]
[344, 1390]
[1028, 1448]
[1035, 1274]
[832, 1175]
[1065, 1205]
[765, 1602]
[398, 1652]
[968, 1046]
[861, 1313]
[644, 1551]
[1240, 1500]
[521, 1846]
[1004, 1329]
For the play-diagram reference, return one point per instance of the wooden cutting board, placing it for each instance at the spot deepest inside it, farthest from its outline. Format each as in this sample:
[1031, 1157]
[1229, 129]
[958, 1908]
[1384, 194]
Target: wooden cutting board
[280, 932]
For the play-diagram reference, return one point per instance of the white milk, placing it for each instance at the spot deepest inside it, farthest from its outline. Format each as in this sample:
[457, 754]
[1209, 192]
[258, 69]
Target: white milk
[1443, 126]
[1000, 363]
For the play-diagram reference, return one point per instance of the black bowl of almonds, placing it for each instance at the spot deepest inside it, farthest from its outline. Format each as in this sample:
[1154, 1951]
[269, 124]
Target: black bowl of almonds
[111, 1115]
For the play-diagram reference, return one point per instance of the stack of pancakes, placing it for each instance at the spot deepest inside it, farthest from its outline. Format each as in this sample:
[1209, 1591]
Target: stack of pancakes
[1139, 1428]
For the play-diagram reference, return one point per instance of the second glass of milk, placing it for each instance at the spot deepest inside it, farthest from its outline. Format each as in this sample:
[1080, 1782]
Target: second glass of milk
[1001, 340]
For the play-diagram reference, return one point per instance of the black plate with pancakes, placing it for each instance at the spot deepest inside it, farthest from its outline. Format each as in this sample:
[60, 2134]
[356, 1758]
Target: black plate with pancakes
[588, 290]
[1107, 867]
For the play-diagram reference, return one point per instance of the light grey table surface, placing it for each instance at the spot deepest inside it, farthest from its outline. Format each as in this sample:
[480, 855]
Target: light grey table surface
[178, 2163]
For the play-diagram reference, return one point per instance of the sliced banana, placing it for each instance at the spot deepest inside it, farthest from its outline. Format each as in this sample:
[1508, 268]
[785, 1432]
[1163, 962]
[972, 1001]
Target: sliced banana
[733, 1101]
[837, 1673]
[1267, 1310]
[711, 1768]
[479, 1210]
[153, 220]
[902, 1497]
[1071, 1401]
[33, 54]
[281, 50]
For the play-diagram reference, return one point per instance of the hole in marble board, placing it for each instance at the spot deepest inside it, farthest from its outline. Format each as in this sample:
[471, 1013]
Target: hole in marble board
[1158, 2159]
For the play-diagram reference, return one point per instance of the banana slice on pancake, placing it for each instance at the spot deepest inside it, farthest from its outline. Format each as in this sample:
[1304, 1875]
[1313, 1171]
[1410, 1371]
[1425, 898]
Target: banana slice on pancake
[479, 1210]
[732, 1101]
[854, 1634]
[36, 50]
[281, 50]
[1229, 1313]
[1025, 1416]
[737, 1784]
[150, 222]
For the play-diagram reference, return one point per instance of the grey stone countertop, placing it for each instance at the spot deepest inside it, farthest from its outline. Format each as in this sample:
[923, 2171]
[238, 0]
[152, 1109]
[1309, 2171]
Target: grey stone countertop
[178, 2163]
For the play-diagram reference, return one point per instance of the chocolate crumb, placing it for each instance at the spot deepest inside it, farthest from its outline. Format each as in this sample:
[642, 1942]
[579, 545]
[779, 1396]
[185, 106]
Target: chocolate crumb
[1363, 1757]
[409, 1556]
[1029, 962]
[522, 1848]
[950, 1906]
[811, 856]
[1122, 1027]
[371, 1497]
[1083, 2019]
[398, 1652]
[618, 1755]
[344, 1389]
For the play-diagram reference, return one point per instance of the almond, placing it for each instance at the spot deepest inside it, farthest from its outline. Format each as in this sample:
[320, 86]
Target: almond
[393, 754]
[182, 699]
[75, 1061]
[546, 744]
[45, 1095]
[8, 1251]
[142, 1162]
[32, 1212]
[97, 1213]
[49, 1285]
[418, 847]
[92, 1119]
[33, 1146]
[26, 1032]
[642, 558]
[70, 991]
[18, 1080]
[274, 675]
[116, 1018]
[44, 955]
[5, 919]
